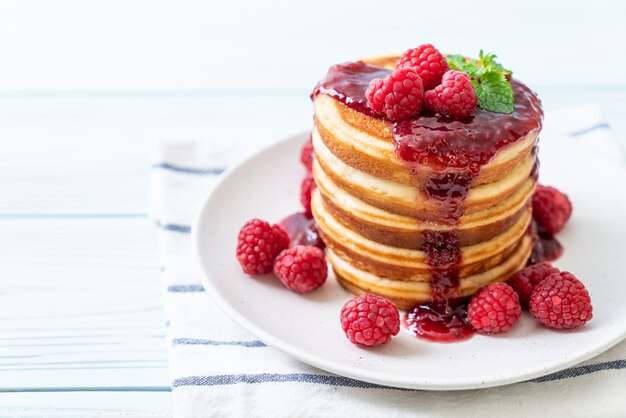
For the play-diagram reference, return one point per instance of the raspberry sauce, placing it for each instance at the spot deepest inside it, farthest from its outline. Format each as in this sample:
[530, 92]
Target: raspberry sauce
[302, 230]
[439, 322]
[546, 248]
[455, 151]
[468, 144]
[347, 83]
[443, 255]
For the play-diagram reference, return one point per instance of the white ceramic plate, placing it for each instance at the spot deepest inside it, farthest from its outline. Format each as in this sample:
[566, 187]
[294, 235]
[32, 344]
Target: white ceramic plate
[307, 327]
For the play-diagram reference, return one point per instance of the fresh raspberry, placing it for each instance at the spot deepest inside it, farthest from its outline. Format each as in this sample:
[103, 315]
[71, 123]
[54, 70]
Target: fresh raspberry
[525, 280]
[454, 97]
[306, 189]
[551, 208]
[494, 309]
[397, 96]
[369, 320]
[258, 245]
[561, 301]
[429, 63]
[301, 268]
[306, 155]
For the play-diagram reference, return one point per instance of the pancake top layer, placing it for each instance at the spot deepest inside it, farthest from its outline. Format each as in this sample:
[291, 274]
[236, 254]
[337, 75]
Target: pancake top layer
[431, 139]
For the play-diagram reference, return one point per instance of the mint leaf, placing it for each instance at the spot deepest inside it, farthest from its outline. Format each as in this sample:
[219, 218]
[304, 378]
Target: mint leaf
[460, 63]
[456, 62]
[488, 61]
[489, 78]
[494, 92]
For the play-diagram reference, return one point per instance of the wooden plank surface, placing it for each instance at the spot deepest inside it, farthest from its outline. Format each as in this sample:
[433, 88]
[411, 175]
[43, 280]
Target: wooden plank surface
[80, 304]
[68, 156]
[85, 404]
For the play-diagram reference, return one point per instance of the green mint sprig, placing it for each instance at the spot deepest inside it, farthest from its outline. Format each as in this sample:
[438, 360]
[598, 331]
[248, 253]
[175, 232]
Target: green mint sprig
[490, 80]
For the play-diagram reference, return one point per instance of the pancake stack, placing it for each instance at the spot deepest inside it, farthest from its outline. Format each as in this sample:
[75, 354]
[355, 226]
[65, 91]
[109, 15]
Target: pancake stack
[426, 209]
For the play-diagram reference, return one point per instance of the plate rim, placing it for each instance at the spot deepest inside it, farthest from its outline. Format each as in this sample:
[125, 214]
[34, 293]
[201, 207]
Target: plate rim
[347, 371]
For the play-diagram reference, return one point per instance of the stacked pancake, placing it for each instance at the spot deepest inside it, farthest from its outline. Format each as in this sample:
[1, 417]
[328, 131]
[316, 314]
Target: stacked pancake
[385, 229]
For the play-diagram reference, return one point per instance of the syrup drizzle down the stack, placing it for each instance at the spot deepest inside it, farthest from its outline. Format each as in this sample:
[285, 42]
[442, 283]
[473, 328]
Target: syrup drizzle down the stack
[454, 151]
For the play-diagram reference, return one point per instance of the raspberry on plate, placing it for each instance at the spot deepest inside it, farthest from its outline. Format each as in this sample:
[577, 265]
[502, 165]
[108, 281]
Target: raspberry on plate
[551, 208]
[561, 301]
[258, 245]
[525, 280]
[397, 96]
[306, 188]
[369, 320]
[306, 155]
[301, 268]
[454, 97]
[494, 309]
[429, 63]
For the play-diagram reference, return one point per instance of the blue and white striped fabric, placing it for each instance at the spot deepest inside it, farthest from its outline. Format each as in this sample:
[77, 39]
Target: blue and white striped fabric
[220, 369]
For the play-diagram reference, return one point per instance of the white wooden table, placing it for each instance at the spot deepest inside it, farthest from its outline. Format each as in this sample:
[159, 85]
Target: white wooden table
[85, 89]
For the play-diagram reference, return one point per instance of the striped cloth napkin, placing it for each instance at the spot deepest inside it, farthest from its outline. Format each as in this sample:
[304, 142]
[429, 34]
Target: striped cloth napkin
[220, 369]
